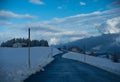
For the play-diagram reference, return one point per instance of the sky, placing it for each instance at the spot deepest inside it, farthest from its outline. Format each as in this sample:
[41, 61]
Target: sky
[58, 21]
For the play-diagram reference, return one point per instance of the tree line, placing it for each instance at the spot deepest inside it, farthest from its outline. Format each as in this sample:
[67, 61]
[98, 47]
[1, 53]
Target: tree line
[33, 43]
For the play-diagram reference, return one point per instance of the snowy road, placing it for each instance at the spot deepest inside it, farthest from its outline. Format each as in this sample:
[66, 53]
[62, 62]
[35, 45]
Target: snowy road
[66, 70]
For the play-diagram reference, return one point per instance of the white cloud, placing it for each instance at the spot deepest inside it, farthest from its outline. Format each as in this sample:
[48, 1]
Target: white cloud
[59, 7]
[9, 14]
[82, 3]
[73, 27]
[80, 21]
[67, 33]
[5, 23]
[53, 41]
[110, 26]
[75, 38]
[42, 27]
[37, 2]
[85, 21]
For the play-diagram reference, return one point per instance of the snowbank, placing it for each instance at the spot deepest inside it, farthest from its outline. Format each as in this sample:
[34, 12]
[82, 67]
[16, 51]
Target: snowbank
[14, 62]
[102, 63]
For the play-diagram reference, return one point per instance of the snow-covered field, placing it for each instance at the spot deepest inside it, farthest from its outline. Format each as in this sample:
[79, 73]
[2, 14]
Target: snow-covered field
[14, 62]
[102, 63]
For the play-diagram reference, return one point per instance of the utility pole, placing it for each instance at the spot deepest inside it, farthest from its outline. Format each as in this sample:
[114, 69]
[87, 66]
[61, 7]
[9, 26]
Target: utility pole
[29, 48]
[51, 51]
[85, 53]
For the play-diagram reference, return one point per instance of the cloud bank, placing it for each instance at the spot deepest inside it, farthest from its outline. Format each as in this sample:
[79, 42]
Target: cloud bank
[8, 14]
[110, 26]
[36, 2]
[82, 3]
[69, 28]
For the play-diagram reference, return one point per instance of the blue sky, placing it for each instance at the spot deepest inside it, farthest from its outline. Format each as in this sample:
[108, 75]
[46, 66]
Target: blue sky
[58, 20]
[54, 8]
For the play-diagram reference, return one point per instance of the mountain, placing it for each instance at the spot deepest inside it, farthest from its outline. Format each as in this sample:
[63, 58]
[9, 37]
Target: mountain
[103, 43]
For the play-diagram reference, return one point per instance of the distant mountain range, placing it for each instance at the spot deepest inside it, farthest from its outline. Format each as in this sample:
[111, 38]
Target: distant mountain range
[109, 43]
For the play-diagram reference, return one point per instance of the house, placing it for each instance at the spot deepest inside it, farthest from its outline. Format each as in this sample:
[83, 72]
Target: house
[18, 45]
[74, 49]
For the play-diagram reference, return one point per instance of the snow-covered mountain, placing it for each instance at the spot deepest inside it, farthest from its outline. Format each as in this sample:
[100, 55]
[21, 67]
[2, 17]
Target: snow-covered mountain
[103, 43]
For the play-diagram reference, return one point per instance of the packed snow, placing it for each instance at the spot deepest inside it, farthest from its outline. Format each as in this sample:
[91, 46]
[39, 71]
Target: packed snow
[102, 63]
[14, 62]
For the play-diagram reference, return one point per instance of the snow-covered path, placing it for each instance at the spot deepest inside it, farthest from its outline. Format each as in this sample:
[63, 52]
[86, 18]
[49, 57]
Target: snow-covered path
[66, 70]
[103, 63]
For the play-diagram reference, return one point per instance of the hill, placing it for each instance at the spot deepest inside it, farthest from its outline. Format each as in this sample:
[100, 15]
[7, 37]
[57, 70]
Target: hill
[103, 43]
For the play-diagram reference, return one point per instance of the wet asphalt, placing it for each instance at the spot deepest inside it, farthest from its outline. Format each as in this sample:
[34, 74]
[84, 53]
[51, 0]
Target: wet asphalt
[66, 70]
